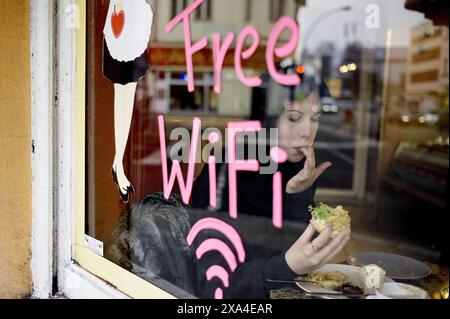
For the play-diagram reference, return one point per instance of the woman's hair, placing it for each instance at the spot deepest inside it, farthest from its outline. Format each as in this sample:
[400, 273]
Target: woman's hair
[311, 81]
[150, 241]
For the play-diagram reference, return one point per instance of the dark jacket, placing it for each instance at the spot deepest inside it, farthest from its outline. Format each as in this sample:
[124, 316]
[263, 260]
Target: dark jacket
[254, 193]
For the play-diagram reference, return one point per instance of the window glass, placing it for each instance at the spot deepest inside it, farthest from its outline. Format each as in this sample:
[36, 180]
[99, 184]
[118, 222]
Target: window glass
[178, 6]
[276, 9]
[204, 11]
[202, 179]
[248, 12]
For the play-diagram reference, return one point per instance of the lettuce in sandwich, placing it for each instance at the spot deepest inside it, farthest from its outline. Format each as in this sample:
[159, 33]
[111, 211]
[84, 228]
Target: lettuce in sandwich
[337, 217]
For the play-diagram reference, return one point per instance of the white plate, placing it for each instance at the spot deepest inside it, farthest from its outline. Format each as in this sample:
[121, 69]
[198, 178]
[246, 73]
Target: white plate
[400, 291]
[352, 274]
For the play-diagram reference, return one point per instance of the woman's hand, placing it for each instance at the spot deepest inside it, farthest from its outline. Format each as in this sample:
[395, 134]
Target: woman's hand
[308, 175]
[306, 255]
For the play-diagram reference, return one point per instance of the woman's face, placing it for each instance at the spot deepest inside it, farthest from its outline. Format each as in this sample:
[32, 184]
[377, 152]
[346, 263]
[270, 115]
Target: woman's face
[298, 125]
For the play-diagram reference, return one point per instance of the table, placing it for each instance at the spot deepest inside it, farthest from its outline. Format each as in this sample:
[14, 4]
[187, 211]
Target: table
[432, 284]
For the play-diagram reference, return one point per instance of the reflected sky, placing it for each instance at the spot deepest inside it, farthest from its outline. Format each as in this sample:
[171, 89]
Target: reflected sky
[393, 16]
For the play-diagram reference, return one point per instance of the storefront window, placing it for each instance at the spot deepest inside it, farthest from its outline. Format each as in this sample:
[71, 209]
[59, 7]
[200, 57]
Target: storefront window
[363, 86]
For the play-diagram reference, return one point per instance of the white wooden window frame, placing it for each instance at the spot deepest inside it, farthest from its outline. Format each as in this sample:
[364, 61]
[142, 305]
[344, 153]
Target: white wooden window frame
[56, 166]
[53, 142]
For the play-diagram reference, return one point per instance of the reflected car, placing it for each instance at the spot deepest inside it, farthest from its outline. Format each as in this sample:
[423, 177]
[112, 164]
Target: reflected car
[329, 105]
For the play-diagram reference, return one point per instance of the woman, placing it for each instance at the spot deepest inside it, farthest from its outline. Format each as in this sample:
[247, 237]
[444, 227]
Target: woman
[125, 61]
[297, 125]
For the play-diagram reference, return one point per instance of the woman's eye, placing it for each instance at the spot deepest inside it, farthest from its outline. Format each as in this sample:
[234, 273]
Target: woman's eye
[294, 119]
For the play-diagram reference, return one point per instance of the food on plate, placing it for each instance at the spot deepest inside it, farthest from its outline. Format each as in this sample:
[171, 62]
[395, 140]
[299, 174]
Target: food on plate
[372, 276]
[328, 279]
[350, 289]
[337, 217]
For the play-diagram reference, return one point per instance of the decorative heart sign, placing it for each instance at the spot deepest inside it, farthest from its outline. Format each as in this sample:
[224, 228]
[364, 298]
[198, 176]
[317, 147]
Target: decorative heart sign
[118, 22]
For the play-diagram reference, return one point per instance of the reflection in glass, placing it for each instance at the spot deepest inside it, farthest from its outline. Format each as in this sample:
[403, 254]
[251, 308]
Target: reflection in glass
[383, 124]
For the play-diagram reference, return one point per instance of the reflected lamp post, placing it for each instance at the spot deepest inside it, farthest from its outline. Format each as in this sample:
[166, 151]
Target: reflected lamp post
[315, 23]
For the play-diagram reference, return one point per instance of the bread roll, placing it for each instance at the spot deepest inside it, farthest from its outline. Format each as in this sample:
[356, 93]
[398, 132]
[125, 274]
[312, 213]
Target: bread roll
[337, 217]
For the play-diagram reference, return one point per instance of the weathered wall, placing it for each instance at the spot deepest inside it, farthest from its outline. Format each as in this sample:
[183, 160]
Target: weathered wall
[15, 164]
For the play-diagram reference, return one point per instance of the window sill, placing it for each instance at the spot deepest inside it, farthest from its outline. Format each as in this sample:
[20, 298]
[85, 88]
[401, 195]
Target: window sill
[81, 284]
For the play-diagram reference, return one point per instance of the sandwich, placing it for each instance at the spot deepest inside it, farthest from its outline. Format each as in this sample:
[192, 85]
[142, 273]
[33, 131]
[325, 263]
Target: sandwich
[338, 218]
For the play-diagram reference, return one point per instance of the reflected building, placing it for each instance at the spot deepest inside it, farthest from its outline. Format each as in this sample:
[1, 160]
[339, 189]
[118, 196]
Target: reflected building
[427, 72]
[396, 83]
[214, 16]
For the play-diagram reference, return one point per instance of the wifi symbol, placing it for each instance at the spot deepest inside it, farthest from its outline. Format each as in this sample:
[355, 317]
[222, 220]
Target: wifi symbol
[213, 244]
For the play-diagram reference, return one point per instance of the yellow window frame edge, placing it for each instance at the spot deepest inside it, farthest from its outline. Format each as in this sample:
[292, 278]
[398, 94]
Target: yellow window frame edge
[121, 279]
